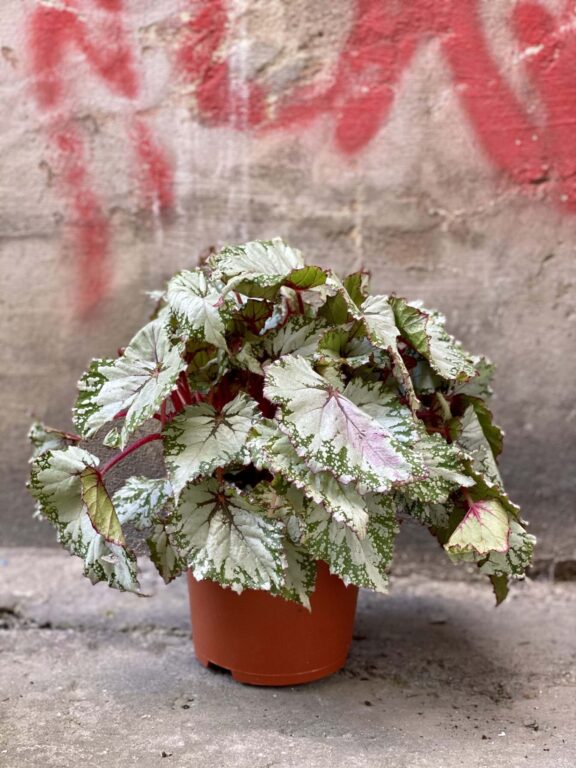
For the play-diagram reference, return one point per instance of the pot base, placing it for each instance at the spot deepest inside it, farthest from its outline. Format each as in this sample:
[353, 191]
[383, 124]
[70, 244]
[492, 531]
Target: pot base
[294, 678]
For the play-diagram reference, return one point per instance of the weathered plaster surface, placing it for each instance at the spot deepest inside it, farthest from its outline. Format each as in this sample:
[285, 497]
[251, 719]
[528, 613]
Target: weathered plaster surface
[431, 142]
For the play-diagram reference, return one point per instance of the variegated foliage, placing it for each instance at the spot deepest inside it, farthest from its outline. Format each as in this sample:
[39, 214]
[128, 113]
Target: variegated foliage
[71, 495]
[300, 418]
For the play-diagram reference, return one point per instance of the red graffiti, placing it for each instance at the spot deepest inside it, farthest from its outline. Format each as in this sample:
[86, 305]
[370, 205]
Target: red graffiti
[552, 68]
[155, 168]
[54, 34]
[202, 38]
[91, 231]
[56, 31]
[533, 149]
[383, 39]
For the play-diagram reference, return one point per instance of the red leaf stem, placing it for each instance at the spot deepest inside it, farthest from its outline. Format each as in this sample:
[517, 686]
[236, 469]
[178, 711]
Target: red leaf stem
[469, 499]
[184, 389]
[300, 302]
[128, 450]
[68, 435]
[177, 401]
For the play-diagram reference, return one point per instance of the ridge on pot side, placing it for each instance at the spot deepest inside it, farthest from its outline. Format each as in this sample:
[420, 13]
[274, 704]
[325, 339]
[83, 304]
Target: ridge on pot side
[300, 420]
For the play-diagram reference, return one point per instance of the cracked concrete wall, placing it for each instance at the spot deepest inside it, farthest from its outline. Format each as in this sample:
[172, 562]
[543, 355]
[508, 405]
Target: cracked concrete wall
[430, 142]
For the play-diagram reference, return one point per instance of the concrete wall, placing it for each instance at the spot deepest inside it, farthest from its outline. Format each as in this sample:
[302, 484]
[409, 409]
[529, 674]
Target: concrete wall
[432, 141]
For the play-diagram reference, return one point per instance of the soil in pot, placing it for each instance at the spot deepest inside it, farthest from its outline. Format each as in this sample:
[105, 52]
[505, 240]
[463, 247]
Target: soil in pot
[266, 640]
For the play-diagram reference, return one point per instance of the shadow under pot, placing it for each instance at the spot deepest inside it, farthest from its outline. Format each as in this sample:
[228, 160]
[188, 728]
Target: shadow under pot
[266, 640]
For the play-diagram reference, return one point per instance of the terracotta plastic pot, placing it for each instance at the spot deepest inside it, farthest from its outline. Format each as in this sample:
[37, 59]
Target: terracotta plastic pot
[266, 640]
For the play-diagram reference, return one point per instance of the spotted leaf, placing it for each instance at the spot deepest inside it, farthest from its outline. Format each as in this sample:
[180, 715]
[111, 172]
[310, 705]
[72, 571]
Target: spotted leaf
[201, 439]
[147, 504]
[470, 436]
[299, 335]
[446, 471]
[45, 439]
[345, 346]
[493, 434]
[425, 331]
[141, 501]
[330, 432]
[198, 307]
[272, 450]
[516, 559]
[299, 577]
[63, 483]
[224, 537]
[479, 384]
[382, 404]
[361, 561]
[380, 324]
[135, 384]
[261, 267]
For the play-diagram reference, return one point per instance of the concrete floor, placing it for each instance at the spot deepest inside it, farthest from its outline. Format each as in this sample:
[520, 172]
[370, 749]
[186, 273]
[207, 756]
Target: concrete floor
[436, 677]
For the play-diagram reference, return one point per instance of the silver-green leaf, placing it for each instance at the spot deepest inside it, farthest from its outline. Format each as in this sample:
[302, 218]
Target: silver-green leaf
[147, 505]
[299, 576]
[361, 561]
[65, 484]
[425, 331]
[272, 450]
[299, 335]
[471, 438]
[198, 307]
[223, 536]
[330, 432]
[260, 267]
[45, 439]
[201, 439]
[381, 329]
[141, 501]
[135, 384]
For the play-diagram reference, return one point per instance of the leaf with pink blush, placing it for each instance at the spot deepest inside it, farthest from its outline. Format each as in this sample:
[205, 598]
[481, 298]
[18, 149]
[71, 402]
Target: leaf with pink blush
[484, 529]
[333, 434]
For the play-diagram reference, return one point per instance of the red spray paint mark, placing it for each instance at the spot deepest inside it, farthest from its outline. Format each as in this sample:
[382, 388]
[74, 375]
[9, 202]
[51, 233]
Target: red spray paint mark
[382, 41]
[155, 168]
[384, 36]
[55, 32]
[95, 29]
[201, 41]
[553, 71]
[90, 228]
[500, 121]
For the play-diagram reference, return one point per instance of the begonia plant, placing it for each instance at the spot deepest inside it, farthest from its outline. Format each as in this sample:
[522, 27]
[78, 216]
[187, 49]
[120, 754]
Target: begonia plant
[299, 418]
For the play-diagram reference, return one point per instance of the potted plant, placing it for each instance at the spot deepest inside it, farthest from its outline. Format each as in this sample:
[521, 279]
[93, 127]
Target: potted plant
[300, 420]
